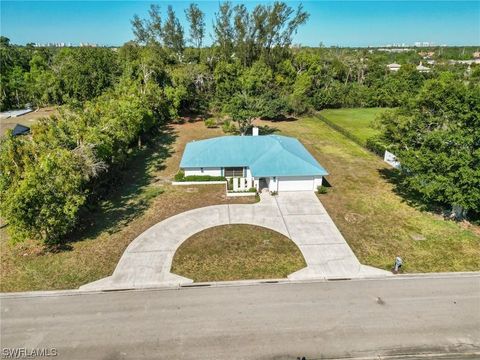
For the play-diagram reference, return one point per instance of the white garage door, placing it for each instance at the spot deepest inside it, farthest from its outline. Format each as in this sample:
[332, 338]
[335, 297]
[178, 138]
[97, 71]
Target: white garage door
[295, 184]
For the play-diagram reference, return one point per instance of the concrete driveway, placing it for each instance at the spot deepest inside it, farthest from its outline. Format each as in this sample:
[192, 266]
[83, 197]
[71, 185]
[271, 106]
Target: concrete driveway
[298, 215]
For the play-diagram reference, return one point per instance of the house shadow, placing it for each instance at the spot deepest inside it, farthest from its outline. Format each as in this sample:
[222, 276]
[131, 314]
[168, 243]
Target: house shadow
[127, 192]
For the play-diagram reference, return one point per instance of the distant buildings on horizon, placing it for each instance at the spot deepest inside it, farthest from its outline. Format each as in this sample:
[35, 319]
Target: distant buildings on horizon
[62, 44]
[393, 48]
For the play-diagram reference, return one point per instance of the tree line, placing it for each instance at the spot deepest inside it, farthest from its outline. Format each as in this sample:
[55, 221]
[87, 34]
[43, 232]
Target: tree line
[113, 99]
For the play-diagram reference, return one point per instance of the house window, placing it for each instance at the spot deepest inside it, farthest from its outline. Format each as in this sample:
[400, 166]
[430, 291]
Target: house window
[234, 172]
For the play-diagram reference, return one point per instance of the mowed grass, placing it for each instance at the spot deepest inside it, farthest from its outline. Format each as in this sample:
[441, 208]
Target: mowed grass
[357, 121]
[237, 252]
[142, 197]
[376, 222]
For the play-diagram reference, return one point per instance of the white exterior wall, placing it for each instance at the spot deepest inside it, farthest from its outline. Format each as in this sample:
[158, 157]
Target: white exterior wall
[273, 184]
[317, 182]
[206, 171]
[296, 183]
[284, 183]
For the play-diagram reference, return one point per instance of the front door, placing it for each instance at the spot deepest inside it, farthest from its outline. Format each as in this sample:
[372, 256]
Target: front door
[263, 184]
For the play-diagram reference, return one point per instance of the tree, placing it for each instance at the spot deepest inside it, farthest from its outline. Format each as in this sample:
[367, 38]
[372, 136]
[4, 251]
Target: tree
[226, 77]
[45, 178]
[42, 85]
[148, 31]
[44, 203]
[266, 32]
[243, 34]
[84, 73]
[173, 32]
[223, 30]
[437, 140]
[196, 20]
[242, 110]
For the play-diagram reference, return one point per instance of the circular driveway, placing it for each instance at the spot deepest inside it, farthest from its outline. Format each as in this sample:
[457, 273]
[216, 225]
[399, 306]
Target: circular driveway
[300, 216]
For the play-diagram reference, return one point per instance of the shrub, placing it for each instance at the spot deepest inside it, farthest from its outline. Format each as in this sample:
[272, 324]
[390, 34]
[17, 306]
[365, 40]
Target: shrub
[210, 123]
[180, 176]
[228, 127]
[274, 193]
[252, 189]
[203, 178]
[375, 145]
[322, 189]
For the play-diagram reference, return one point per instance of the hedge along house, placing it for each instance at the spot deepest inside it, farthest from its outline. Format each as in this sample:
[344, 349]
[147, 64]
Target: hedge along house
[273, 162]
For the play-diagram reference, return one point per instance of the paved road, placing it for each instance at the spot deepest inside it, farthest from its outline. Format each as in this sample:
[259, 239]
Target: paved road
[267, 321]
[299, 215]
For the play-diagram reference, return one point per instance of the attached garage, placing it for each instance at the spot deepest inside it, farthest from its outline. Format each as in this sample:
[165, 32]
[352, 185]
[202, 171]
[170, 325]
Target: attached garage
[296, 183]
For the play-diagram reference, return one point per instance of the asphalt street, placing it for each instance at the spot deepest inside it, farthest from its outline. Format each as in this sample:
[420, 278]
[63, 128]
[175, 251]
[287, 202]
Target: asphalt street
[387, 318]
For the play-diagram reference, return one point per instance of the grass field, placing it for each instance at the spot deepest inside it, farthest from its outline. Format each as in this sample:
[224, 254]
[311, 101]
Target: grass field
[237, 252]
[358, 122]
[376, 222]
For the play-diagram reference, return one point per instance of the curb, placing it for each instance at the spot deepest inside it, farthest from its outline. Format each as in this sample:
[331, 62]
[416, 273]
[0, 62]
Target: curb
[237, 283]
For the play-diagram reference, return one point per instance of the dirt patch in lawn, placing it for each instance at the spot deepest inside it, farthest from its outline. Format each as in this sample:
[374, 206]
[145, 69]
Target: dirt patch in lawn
[237, 252]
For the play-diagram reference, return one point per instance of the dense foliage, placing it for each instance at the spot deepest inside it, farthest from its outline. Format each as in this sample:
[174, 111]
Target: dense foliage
[436, 136]
[111, 98]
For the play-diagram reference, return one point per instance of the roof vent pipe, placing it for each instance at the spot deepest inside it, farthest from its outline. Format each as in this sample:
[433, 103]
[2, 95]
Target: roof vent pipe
[255, 131]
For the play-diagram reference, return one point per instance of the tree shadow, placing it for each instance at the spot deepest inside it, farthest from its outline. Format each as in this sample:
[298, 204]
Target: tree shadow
[188, 116]
[415, 199]
[130, 191]
[410, 197]
[263, 130]
[281, 118]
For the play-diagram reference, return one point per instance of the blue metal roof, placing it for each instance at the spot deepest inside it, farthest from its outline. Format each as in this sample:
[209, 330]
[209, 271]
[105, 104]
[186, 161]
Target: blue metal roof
[271, 155]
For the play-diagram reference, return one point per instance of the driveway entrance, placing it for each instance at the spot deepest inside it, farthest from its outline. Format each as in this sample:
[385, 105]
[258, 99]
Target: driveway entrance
[298, 215]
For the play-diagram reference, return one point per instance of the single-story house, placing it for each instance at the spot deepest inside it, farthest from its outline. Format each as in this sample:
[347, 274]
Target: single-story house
[394, 67]
[273, 162]
[422, 69]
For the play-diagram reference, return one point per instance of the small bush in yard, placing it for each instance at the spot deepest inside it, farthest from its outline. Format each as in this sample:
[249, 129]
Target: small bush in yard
[180, 176]
[203, 178]
[322, 189]
[375, 145]
[228, 127]
[252, 189]
[210, 123]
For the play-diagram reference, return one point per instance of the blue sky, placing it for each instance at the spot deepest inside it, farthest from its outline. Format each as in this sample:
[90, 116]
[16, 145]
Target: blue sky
[344, 23]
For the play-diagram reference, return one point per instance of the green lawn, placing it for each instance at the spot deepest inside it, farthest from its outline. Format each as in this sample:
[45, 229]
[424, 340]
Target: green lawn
[357, 121]
[237, 252]
[377, 223]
